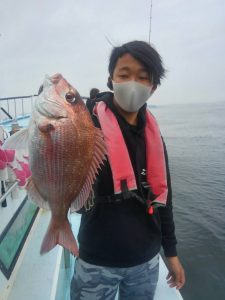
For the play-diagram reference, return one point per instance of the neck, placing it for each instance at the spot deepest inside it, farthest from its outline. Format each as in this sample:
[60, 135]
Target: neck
[130, 117]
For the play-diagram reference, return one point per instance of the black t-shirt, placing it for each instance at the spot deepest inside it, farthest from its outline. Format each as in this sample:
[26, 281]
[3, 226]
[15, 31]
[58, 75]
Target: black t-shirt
[123, 234]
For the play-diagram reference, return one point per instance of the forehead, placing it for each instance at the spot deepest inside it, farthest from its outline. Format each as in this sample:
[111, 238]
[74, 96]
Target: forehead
[127, 62]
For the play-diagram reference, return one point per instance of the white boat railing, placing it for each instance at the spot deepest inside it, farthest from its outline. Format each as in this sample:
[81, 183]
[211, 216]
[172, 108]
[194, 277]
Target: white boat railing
[13, 107]
[10, 189]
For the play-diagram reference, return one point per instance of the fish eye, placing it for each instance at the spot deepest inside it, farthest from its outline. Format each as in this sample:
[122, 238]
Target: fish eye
[70, 97]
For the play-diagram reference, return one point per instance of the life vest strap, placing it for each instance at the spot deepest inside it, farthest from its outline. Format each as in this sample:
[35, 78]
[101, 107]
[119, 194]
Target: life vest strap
[124, 189]
[115, 198]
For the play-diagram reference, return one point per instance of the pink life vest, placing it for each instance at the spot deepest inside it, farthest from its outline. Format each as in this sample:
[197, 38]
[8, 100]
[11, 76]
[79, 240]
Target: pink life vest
[119, 159]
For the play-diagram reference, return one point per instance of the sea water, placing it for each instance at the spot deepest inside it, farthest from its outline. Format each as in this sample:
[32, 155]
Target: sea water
[195, 139]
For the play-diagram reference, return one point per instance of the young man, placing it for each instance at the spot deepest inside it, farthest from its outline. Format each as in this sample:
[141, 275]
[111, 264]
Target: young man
[129, 215]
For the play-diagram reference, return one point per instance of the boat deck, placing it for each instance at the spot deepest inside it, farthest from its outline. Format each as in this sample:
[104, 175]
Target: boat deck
[48, 277]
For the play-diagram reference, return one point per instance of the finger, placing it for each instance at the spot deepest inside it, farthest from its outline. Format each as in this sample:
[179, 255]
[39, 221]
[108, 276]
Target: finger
[170, 280]
[179, 285]
[181, 280]
[168, 275]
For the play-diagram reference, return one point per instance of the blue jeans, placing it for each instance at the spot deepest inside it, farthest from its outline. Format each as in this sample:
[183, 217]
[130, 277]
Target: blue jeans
[91, 282]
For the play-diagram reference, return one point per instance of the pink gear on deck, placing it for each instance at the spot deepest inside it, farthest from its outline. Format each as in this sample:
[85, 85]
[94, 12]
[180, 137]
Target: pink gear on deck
[20, 168]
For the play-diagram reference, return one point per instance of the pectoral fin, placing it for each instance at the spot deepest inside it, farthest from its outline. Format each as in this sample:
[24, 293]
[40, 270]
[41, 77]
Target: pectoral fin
[17, 141]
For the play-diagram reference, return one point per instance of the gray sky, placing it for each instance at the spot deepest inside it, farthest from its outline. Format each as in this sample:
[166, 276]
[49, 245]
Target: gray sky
[39, 37]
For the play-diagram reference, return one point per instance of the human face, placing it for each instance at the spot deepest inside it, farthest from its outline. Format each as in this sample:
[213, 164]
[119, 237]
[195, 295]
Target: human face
[129, 69]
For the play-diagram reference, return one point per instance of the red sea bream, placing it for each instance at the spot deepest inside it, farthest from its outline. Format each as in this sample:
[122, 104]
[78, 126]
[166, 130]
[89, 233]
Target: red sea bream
[65, 151]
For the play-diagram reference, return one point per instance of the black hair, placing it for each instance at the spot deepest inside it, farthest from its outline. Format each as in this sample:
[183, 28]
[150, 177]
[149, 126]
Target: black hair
[145, 54]
[93, 93]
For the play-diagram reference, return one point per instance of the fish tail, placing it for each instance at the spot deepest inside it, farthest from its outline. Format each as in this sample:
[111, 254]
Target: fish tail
[59, 234]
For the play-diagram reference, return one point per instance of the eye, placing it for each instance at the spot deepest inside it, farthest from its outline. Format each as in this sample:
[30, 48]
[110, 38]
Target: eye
[144, 76]
[70, 97]
[123, 75]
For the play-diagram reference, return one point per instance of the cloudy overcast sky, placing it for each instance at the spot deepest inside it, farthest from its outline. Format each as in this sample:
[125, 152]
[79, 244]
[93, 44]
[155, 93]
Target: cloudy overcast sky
[39, 37]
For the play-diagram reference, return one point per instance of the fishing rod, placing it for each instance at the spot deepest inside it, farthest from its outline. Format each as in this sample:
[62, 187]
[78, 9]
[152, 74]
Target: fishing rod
[150, 23]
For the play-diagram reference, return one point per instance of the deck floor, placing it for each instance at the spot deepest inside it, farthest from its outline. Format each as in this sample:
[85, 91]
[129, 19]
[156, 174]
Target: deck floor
[43, 277]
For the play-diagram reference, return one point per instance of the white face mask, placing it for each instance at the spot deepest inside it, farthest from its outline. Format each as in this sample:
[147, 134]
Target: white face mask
[131, 95]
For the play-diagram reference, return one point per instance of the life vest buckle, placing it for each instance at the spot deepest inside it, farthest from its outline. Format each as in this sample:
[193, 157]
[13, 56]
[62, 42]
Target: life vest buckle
[149, 197]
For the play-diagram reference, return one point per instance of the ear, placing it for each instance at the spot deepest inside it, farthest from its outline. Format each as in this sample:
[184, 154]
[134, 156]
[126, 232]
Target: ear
[109, 83]
[154, 88]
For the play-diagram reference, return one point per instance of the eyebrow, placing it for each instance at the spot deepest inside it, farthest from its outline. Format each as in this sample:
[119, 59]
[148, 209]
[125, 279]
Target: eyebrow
[124, 69]
[128, 69]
